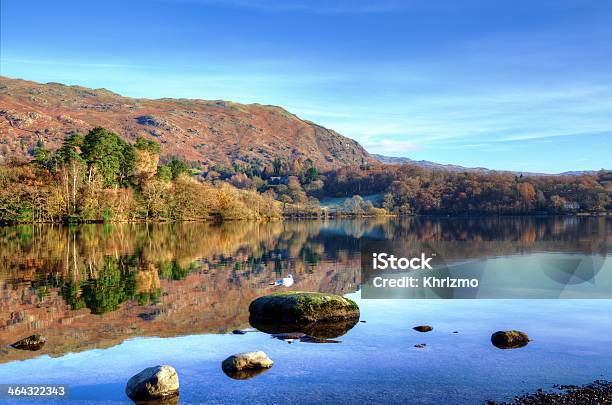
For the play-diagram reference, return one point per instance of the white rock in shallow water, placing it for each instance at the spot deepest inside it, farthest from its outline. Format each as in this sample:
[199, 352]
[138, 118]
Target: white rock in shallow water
[246, 361]
[153, 383]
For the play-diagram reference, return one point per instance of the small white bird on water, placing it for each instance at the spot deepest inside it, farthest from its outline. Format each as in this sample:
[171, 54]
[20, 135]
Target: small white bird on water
[285, 281]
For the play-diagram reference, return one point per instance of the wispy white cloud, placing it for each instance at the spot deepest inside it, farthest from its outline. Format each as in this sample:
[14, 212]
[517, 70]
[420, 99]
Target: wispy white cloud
[392, 147]
[536, 136]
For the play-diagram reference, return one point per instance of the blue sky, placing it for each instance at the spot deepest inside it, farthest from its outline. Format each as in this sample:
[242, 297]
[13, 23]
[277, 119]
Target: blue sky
[518, 85]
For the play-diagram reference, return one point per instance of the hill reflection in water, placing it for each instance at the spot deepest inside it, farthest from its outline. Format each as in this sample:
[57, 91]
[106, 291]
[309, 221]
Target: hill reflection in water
[96, 285]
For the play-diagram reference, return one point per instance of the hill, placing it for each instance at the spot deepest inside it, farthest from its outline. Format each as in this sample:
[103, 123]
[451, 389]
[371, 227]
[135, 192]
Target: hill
[208, 132]
[427, 164]
[394, 160]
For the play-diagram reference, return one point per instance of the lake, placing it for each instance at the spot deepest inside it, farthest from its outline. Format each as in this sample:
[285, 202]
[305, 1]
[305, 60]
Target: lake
[113, 299]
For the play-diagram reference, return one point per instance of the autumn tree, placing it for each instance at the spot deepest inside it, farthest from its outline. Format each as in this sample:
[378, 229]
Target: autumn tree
[527, 194]
[72, 168]
[147, 158]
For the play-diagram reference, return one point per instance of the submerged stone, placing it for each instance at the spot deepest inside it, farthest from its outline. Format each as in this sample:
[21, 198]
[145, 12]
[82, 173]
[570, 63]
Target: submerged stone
[32, 343]
[245, 374]
[321, 330]
[302, 337]
[423, 328]
[153, 384]
[302, 308]
[288, 337]
[246, 361]
[329, 330]
[312, 339]
[512, 339]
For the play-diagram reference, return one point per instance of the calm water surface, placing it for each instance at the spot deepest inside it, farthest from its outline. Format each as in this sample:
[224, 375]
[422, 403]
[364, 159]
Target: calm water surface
[114, 299]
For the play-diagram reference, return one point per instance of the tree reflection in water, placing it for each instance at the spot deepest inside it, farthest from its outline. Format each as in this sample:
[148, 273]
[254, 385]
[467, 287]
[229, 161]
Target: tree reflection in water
[97, 284]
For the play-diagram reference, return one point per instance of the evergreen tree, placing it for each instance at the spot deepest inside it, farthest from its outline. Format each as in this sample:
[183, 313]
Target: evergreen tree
[108, 156]
[277, 164]
[178, 167]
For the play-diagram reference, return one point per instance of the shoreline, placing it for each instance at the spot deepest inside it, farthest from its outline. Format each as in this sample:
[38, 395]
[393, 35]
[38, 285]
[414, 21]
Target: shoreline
[311, 218]
[597, 392]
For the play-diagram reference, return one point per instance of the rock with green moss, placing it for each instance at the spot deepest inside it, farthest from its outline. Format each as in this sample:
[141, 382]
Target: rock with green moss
[302, 308]
[511, 339]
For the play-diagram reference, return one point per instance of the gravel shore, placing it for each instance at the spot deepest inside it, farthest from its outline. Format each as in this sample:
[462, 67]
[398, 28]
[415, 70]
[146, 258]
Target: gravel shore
[596, 393]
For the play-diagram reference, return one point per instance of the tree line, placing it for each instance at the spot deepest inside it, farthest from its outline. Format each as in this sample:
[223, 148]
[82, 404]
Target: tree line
[409, 189]
[101, 177]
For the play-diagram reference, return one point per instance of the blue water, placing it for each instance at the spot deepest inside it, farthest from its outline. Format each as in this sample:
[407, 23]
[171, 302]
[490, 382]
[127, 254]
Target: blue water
[375, 361]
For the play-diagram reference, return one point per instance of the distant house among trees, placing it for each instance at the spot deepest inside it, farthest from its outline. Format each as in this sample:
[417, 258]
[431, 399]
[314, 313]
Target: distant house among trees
[571, 206]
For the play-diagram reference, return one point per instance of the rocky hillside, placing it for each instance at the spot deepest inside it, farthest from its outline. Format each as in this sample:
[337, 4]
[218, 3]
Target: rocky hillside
[209, 132]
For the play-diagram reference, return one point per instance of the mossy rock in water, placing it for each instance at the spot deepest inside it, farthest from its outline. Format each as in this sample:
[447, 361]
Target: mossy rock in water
[512, 339]
[302, 308]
